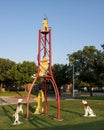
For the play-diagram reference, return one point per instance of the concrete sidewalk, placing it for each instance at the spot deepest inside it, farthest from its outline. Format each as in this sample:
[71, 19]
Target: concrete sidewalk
[7, 100]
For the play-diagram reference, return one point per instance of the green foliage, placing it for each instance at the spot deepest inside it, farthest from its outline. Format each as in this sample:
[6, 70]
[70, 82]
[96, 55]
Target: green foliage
[27, 69]
[89, 65]
[5, 65]
[62, 74]
[12, 73]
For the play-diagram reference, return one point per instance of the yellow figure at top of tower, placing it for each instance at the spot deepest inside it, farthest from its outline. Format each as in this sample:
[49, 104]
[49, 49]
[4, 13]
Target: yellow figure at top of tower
[45, 24]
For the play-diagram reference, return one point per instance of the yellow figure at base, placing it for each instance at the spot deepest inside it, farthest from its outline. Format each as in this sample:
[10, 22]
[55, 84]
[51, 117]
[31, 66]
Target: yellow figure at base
[39, 100]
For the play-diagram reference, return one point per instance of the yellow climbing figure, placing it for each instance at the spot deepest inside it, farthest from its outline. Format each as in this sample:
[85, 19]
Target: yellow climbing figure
[45, 24]
[43, 66]
[39, 100]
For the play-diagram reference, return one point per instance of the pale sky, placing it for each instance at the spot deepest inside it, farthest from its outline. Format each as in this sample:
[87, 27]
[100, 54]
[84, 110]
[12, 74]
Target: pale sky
[74, 23]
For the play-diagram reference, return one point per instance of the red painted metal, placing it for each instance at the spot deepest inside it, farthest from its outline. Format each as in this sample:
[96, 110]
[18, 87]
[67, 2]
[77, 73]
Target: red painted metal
[45, 49]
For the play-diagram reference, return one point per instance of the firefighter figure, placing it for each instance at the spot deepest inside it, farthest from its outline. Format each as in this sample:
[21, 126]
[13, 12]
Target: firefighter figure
[39, 100]
[45, 24]
[44, 66]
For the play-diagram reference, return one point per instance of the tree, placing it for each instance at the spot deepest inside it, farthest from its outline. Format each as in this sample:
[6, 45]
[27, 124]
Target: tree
[61, 74]
[16, 74]
[13, 75]
[102, 47]
[26, 69]
[5, 65]
[89, 65]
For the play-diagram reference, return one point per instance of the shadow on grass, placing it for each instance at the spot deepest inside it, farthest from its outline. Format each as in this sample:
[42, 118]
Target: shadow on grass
[31, 107]
[2, 101]
[96, 125]
[38, 120]
[18, 93]
[73, 112]
[7, 111]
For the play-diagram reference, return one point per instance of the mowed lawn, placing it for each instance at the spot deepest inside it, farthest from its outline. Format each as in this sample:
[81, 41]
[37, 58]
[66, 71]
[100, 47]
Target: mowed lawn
[72, 111]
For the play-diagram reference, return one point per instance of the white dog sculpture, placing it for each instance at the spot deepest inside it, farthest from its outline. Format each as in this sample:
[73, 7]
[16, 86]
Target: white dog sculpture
[88, 111]
[18, 110]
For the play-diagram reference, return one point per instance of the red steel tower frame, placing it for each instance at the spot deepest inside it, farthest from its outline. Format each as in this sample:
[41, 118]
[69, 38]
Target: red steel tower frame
[45, 49]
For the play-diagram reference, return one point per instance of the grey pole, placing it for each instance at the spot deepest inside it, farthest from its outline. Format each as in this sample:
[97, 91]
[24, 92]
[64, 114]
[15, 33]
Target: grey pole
[73, 81]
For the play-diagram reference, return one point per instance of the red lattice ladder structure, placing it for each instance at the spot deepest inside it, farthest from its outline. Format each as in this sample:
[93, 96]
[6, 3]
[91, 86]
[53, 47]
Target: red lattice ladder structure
[45, 70]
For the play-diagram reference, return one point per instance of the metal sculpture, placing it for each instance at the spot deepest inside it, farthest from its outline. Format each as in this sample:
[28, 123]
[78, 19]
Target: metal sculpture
[45, 68]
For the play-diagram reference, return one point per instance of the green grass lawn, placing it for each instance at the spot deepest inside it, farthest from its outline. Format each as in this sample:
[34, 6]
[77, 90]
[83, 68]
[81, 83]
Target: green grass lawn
[71, 112]
[16, 93]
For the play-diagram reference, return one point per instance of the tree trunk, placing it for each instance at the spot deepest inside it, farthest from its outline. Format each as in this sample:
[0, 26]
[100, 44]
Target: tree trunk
[91, 94]
[1, 87]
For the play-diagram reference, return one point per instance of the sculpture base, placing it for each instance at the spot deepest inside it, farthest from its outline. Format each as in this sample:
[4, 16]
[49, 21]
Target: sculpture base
[17, 123]
[58, 119]
[89, 116]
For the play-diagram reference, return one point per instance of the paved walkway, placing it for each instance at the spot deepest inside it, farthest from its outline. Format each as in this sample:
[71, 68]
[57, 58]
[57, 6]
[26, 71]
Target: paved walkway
[7, 100]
